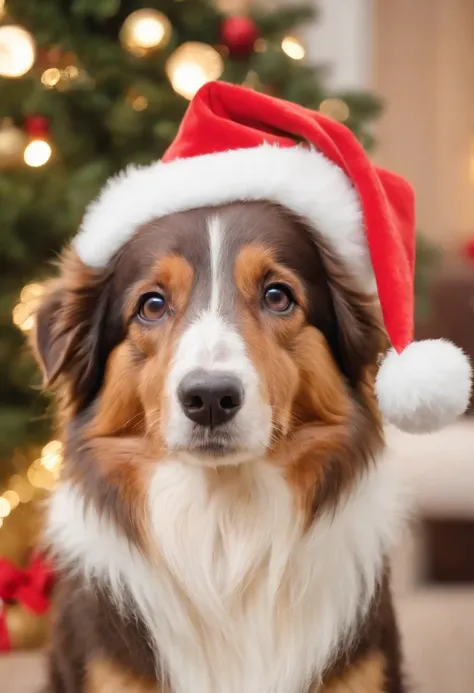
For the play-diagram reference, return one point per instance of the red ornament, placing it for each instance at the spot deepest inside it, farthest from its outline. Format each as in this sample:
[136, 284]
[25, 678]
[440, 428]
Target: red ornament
[30, 587]
[37, 127]
[239, 34]
[469, 249]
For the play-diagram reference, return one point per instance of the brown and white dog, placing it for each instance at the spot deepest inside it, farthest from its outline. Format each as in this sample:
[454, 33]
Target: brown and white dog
[224, 518]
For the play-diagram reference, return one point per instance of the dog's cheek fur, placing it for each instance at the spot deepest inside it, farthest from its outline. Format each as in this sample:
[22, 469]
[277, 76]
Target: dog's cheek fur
[277, 372]
[119, 409]
[152, 387]
[322, 395]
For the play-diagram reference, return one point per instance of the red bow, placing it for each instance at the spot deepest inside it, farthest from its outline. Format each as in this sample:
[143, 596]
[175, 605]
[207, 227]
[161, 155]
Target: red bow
[30, 587]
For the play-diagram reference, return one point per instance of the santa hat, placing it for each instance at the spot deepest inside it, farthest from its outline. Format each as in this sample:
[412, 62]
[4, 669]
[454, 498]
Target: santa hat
[236, 144]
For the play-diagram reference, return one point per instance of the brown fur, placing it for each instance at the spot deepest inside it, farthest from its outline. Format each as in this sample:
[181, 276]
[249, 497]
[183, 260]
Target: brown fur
[316, 368]
[104, 676]
[366, 676]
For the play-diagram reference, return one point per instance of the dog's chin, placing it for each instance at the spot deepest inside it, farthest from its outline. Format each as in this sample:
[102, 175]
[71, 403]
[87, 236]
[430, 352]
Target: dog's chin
[216, 450]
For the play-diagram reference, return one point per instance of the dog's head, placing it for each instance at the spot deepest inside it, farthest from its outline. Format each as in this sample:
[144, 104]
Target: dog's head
[218, 334]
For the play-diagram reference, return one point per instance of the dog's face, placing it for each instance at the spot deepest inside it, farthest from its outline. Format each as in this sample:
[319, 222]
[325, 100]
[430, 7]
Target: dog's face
[219, 334]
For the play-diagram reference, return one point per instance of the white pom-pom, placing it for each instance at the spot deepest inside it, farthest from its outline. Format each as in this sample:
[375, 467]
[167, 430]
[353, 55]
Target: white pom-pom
[425, 387]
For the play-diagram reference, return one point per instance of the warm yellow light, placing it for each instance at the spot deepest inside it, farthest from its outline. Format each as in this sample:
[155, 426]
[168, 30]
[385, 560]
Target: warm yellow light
[32, 473]
[12, 498]
[51, 77]
[191, 66]
[2, 8]
[140, 103]
[70, 72]
[293, 48]
[40, 477]
[31, 292]
[22, 488]
[23, 317]
[24, 311]
[149, 32]
[17, 51]
[335, 109]
[51, 455]
[37, 153]
[145, 30]
[4, 507]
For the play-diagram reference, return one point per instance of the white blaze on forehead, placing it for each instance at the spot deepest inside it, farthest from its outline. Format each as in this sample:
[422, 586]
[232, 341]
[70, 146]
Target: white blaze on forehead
[212, 342]
[215, 230]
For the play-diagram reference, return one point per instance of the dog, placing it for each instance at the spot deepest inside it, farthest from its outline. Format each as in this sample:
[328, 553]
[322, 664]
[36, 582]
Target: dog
[225, 515]
[228, 331]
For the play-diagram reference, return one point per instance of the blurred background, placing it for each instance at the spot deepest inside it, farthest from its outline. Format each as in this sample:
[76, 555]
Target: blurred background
[88, 86]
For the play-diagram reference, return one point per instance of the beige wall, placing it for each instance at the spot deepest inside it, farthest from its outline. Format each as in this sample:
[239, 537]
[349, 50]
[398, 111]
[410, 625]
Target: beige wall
[424, 69]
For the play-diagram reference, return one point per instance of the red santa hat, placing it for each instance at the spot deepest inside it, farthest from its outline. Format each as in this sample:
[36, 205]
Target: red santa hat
[235, 144]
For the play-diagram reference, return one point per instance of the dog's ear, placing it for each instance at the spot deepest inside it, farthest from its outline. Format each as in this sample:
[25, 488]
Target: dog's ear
[68, 336]
[360, 336]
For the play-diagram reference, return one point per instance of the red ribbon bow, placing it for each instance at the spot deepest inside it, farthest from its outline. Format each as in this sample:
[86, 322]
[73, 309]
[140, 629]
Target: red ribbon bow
[30, 587]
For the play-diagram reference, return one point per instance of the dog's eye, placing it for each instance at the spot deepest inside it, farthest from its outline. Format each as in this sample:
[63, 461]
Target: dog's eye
[152, 307]
[278, 298]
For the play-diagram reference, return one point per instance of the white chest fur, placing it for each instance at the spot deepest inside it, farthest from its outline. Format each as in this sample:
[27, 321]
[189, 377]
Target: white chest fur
[239, 599]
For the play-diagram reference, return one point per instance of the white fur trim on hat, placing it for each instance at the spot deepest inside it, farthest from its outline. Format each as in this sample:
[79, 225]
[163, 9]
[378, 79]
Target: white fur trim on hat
[301, 179]
[425, 387]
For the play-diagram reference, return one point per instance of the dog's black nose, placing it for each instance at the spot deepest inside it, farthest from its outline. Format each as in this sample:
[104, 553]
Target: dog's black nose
[210, 398]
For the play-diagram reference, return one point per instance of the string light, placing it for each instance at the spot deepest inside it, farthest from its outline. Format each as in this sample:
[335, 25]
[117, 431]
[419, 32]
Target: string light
[51, 456]
[40, 477]
[293, 48]
[54, 77]
[335, 109]
[22, 488]
[191, 66]
[25, 309]
[51, 77]
[17, 51]
[144, 31]
[4, 507]
[140, 103]
[70, 72]
[44, 472]
[20, 492]
[37, 153]
[12, 498]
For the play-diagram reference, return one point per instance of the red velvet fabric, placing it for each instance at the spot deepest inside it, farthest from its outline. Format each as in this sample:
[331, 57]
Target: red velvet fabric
[223, 117]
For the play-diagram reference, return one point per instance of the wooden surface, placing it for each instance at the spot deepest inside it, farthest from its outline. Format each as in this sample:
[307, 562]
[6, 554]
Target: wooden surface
[437, 629]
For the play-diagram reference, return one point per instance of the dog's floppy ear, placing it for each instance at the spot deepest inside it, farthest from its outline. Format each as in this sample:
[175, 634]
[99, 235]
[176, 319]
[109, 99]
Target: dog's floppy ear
[68, 336]
[360, 336]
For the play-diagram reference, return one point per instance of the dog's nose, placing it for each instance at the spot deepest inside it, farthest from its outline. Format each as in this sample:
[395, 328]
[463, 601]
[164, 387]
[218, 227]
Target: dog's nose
[210, 398]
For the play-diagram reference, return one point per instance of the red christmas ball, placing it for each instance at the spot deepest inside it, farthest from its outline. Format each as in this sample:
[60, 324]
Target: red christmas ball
[37, 126]
[239, 34]
[469, 249]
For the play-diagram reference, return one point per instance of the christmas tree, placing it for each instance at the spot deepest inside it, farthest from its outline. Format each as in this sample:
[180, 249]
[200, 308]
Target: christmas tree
[87, 87]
